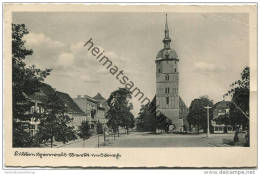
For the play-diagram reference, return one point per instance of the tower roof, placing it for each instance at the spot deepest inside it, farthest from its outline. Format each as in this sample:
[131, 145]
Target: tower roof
[167, 53]
[166, 32]
[166, 24]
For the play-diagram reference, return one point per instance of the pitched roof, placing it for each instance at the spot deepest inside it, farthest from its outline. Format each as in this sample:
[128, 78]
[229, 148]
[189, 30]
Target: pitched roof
[99, 97]
[181, 103]
[44, 92]
[222, 104]
[101, 100]
[72, 107]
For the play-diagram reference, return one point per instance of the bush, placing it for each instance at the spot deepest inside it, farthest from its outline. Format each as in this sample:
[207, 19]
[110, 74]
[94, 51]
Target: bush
[84, 130]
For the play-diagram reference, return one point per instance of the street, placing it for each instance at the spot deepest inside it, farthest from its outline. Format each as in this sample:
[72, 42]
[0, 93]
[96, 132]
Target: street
[144, 139]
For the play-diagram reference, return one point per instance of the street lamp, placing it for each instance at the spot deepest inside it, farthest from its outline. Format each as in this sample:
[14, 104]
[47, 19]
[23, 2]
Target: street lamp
[207, 107]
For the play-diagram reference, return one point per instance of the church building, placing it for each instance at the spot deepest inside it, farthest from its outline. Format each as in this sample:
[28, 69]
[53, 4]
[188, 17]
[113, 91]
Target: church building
[168, 100]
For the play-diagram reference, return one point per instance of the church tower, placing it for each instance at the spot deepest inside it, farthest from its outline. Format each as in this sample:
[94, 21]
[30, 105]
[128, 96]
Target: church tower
[167, 82]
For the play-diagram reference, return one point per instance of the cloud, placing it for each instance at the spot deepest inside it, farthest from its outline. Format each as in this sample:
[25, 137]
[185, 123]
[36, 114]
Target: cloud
[46, 51]
[91, 81]
[36, 39]
[203, 67]
[117, 59]
[65, 59]
[77, 47]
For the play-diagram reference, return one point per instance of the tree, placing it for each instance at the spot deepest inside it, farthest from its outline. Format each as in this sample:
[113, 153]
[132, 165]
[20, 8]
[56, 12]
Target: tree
[149, 119]
[119, 113]
[163, 122]
[139, 121]
[25, 81]
[198, 114]
[84, 131]
[54, 122]
[239, 92]
[129, 121]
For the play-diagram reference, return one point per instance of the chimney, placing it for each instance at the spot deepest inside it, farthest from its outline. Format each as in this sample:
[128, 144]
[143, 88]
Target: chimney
[78, 96]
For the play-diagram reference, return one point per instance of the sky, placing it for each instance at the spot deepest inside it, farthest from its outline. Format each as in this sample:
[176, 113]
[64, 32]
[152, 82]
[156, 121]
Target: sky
[213, 49]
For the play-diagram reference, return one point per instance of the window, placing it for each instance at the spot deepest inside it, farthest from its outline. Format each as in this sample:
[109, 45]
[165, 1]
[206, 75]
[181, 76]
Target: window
[32, 109]
[159, 70]
[174, 69]
[42, 110]
[167, 90]
[167, 77]
[37, 109]
[167, 100]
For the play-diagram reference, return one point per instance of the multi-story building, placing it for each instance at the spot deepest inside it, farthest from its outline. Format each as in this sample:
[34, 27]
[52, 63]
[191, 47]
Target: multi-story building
[221, 109]
[94, 108]
[73, 110]
[38, 107]
[102, 108]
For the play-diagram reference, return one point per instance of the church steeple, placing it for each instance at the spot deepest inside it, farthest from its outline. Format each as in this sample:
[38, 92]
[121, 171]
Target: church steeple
[167, 82]
[167, 39]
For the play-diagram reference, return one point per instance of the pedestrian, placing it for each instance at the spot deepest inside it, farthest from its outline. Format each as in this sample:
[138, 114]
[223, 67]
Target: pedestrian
[247, 137]
[236, 135]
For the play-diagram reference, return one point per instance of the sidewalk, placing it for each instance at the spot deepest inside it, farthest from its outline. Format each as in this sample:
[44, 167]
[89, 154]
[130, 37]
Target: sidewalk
[92, 142]
[60, 144]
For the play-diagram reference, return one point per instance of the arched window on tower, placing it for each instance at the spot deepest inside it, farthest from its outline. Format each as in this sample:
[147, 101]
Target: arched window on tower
[174, 69]
[167, 77]
[167, 90]
[167, 100]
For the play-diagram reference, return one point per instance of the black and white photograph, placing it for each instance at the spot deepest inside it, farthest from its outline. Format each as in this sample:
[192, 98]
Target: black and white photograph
[123, 79]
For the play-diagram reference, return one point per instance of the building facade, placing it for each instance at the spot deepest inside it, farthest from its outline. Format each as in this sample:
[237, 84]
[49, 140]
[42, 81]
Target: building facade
[221, 109]
[72, 110]
[37, 107]
[102, 108]
[167, 83]
[94, 109]
[38, 103]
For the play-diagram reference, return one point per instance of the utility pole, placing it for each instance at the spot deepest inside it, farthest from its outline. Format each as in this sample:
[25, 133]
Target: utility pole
[207, 107]
[104, 132]
[98, 140]
[98, 133]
